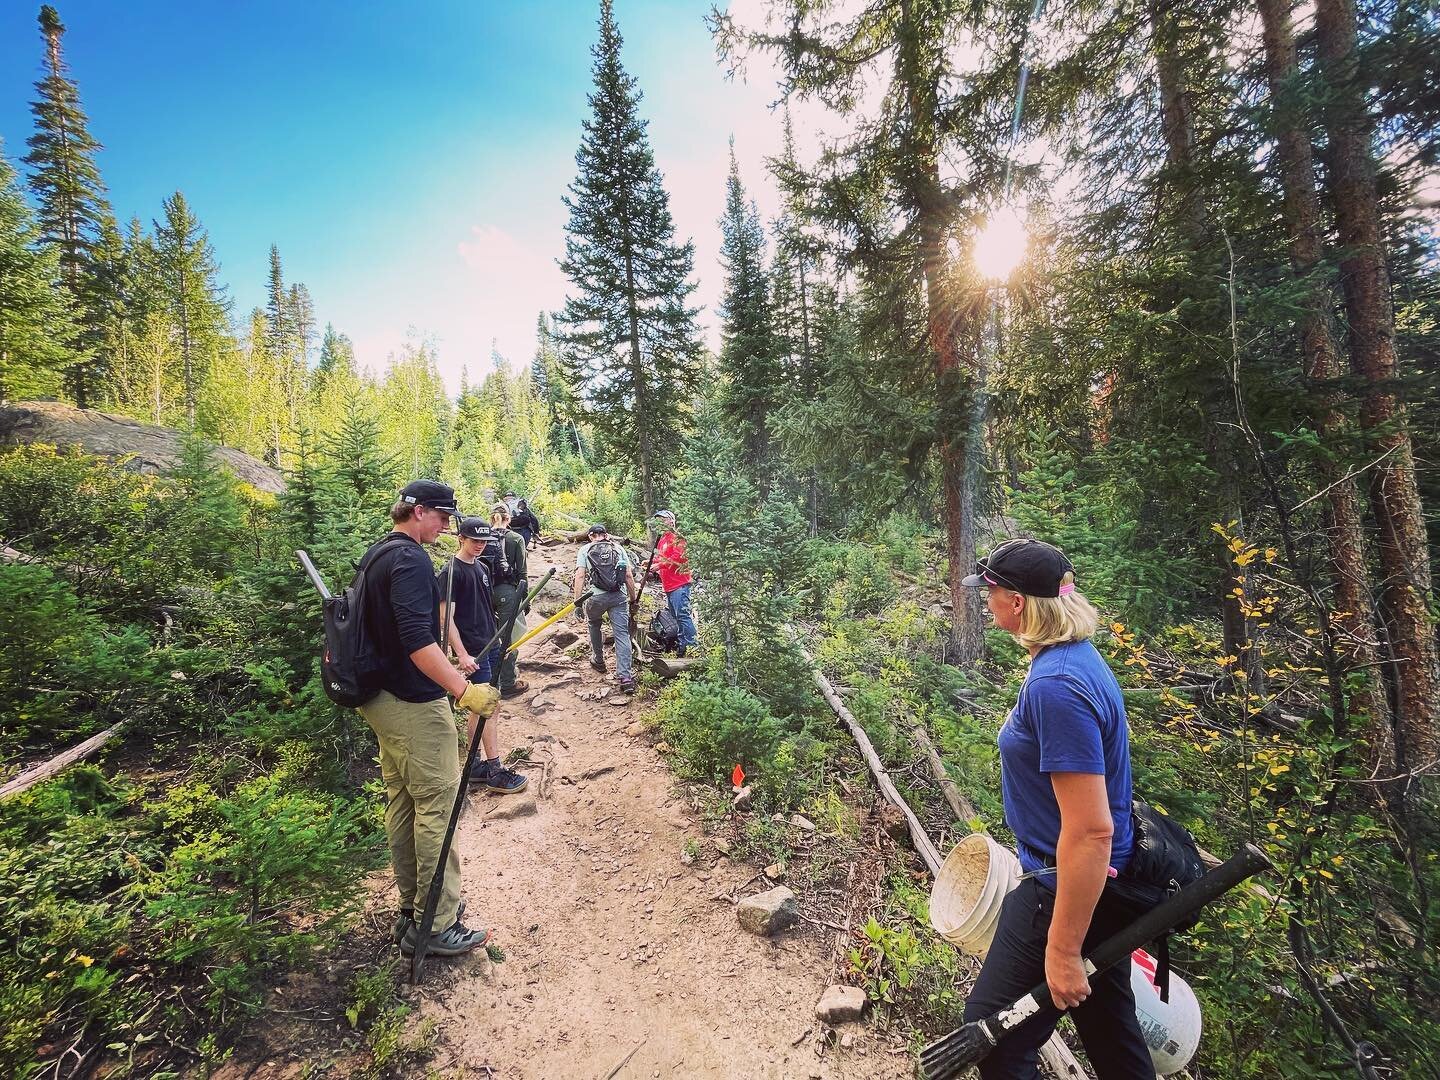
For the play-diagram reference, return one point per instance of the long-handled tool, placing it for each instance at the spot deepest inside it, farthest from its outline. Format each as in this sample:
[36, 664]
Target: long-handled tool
[966, 1046]
[634, 610]
[566, 610]
[432, 898]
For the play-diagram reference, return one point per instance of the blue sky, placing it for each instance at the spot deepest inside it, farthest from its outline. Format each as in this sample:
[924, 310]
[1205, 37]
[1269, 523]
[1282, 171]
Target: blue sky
[410, 171]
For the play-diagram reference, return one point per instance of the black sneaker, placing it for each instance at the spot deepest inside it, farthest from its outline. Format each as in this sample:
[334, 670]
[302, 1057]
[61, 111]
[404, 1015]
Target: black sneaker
[627, 686]
[479, 774]
[456, 941]
[506, 782]
[515, 691]
[598, 665]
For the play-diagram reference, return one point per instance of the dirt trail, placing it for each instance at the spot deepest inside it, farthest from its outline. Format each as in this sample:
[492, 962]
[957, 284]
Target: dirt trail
[612, 944]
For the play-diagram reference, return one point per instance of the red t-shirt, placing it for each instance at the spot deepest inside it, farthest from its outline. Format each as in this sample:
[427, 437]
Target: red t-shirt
[671, 562]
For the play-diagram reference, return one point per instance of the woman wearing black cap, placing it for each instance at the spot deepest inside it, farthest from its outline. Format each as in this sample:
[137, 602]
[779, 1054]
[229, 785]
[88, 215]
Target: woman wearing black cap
[1065, 780]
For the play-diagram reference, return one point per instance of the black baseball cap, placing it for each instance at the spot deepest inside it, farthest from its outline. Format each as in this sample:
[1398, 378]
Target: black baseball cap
[476, 528]
[1023, 565]
[431, 493]
[598, 529]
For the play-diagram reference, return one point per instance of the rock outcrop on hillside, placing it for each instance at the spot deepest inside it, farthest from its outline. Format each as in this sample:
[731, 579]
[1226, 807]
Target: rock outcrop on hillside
[155, 449]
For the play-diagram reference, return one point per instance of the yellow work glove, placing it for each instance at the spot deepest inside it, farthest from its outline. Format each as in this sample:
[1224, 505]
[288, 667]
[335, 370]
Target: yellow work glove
[481, 698]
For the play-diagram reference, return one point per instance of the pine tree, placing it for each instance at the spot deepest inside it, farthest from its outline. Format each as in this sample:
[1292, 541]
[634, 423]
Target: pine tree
[748, 356]
[414, 413]
[301, 310]
[356, 483]
[886, 193]
[36, 327]
[629, 337]
[195, 300]
[72, 203]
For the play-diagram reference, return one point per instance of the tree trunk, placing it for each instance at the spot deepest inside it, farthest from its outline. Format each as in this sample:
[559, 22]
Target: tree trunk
[642, 417]
[1177, 124]
[1354, 618]
[1405, 585]
[957, 448]
[812, 493]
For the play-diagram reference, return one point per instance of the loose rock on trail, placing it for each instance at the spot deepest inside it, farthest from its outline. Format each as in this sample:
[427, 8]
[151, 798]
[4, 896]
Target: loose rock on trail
[621, 960]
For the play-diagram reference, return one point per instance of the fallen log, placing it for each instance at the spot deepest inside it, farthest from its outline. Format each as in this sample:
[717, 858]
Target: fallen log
[959, 805]
[46, 769]
[1055, 1055]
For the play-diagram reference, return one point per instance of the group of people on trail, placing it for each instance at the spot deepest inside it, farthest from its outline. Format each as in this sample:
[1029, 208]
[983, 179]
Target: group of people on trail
[1064, 747]
[605, 567]
[479, 599]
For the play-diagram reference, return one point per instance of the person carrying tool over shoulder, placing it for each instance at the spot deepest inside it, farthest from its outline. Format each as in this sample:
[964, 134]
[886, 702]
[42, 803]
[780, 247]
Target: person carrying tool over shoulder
[1065, 781]
[603, 563]
[675, 579]
[511, 585]
[472, 624]
[419, 754]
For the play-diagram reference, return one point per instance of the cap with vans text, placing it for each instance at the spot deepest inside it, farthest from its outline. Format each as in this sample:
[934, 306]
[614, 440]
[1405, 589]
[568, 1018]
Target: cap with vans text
[476, 528]
[431, 493]
[1027, 566]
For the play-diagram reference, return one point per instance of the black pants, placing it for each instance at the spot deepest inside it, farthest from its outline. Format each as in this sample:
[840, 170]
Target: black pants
[1016, 964]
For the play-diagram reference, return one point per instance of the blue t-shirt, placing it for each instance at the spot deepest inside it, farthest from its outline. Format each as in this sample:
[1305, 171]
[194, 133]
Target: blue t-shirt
[1070, 717]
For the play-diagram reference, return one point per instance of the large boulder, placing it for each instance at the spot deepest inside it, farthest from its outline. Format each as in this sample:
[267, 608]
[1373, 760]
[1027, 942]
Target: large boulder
[148, 448]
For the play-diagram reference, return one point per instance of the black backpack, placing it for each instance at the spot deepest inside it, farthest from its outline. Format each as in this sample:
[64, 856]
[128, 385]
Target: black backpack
[348, 664]
[1164, 859]
[495, 561]
[604, 562]
[664, 631]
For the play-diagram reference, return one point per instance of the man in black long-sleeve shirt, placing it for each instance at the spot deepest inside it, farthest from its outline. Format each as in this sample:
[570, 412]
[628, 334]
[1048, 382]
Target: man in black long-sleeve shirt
[419, 751]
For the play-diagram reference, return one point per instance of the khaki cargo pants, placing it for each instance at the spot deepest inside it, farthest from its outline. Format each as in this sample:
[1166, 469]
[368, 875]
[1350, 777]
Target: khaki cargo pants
[420, 763]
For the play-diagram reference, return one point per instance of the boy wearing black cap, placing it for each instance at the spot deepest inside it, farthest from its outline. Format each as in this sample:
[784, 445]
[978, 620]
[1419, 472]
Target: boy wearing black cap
[419, 754]
[472, 625]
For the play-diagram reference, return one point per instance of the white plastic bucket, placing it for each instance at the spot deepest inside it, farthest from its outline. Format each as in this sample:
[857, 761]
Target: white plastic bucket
[965, 909]
[972, 883]
[1171, 1029]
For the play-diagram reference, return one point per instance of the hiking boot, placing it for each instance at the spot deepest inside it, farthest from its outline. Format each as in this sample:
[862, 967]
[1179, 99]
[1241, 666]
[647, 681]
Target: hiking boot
[627, 686]
[505, 782]
[598, 665]
[406, 921]
[515, 691]
[456, 941]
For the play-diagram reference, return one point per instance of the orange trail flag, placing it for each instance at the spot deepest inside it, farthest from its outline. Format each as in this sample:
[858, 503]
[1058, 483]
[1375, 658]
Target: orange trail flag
[738, 776]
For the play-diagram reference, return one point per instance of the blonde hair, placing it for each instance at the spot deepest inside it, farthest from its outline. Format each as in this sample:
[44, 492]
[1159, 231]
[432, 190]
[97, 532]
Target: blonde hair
[1051, 620]
[499, 510]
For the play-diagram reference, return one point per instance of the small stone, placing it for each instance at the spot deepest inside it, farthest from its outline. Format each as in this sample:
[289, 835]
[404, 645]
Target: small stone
[743, 798]
[686, 859]
[722, 845]
[774, 871]
[841, 1003]
[564, 637]
[768, 912]
[637, 728]
[847, 1040]
[513, 807]
[618, 701]
[801, 822]
[662, 747]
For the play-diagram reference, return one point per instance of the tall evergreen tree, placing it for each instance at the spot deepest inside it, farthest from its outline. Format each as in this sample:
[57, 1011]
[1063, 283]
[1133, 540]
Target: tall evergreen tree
[196, 301]
[35, 322]
[749, 355]
[887, 193]
[629, 335]
[72, 203]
